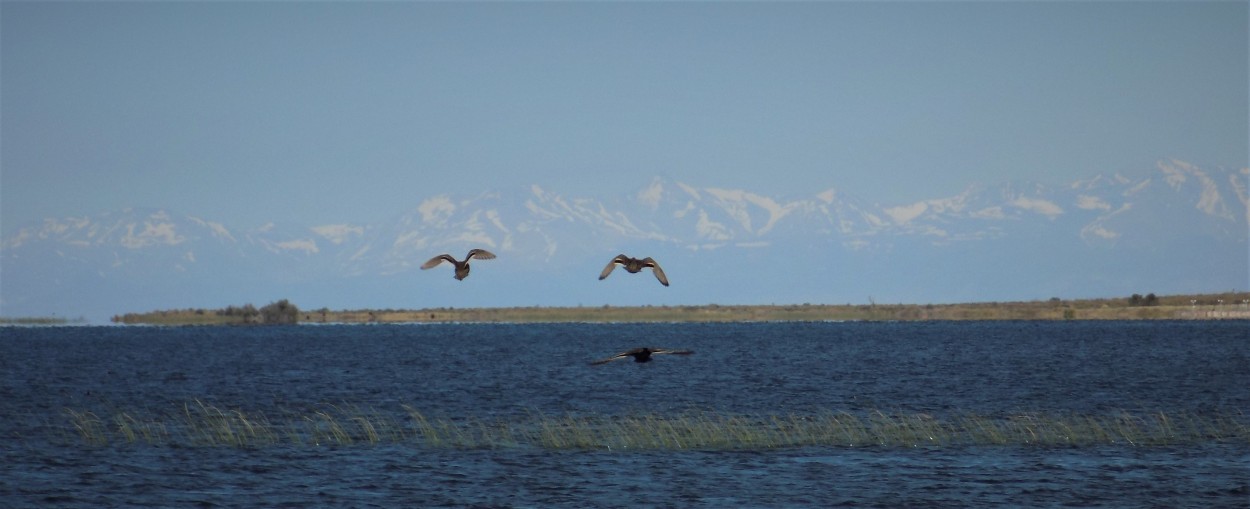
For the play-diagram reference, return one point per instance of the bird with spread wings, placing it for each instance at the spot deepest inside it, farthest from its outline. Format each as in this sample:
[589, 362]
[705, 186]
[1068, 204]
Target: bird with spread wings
[462, 267]
[641, 354]
[633, 266]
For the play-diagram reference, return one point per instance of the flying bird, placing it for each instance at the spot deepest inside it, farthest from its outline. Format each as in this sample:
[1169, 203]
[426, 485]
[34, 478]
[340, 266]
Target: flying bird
[633, 265]
[641, 354]
[462, 268]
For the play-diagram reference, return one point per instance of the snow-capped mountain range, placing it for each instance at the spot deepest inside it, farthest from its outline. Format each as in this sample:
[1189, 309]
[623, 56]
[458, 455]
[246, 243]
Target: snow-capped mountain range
[1172, 229]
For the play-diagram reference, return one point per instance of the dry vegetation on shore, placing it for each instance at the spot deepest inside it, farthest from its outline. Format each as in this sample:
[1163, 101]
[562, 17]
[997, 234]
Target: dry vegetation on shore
[1229, 305]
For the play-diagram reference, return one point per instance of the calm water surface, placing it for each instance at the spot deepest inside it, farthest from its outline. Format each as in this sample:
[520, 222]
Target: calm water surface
[510, 371]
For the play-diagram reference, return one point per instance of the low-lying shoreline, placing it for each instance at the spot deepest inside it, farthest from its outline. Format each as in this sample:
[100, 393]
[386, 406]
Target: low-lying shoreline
[1230, 305]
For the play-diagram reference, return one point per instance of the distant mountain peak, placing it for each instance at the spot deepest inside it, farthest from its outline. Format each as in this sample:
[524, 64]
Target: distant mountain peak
[339, 233]
[652, 194]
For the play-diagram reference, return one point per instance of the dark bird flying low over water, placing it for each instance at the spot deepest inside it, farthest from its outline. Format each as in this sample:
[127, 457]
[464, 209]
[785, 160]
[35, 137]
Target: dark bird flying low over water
[462, 268]
[633, 266]
[641, 354]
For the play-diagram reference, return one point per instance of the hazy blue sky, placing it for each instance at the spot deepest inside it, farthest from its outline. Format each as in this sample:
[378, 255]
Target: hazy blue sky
[329, 112]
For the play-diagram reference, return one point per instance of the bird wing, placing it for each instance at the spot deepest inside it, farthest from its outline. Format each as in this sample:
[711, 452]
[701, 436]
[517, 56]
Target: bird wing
[623, 355]
[616, 357]
[655, 351]
[655, 267]
[433, 262]
[612, 265]
[480, 254]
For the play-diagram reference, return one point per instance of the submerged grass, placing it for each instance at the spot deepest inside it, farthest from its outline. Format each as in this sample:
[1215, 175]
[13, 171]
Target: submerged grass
[203, 424]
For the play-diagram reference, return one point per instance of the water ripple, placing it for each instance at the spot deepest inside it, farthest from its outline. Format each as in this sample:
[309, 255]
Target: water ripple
[511, 373]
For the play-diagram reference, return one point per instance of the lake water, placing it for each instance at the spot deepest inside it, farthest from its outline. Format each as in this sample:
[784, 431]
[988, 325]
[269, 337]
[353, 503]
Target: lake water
[509, 373]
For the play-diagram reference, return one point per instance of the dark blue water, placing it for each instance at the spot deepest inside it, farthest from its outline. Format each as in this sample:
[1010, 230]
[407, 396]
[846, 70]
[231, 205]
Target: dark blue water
[510, 371]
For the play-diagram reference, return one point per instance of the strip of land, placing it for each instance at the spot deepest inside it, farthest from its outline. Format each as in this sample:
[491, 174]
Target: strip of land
[41, 320]
[1229, 305]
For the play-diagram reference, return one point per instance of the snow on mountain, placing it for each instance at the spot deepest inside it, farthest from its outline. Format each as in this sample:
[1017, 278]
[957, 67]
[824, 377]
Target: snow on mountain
[1097, 236]
[1178, 198]
[338, 234]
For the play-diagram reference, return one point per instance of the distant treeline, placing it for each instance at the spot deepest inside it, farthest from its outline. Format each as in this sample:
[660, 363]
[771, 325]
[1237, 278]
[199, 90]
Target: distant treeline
[1134, 307]
[274, 313]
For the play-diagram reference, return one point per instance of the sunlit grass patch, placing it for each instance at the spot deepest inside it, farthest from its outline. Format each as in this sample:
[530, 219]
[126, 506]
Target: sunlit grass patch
[199, 423]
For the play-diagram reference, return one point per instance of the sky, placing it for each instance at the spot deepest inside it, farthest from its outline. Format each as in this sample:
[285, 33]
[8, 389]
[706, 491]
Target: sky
[328, 112]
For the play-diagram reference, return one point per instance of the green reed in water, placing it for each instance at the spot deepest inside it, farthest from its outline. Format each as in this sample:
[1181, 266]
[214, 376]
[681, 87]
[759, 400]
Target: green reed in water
[204, 424]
